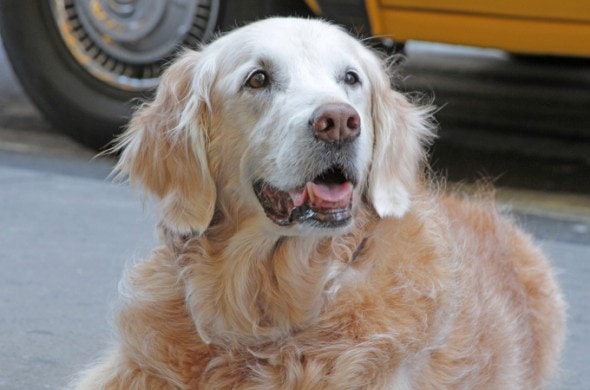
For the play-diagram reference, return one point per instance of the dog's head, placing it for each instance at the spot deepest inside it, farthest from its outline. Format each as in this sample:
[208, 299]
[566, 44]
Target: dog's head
[285, 118]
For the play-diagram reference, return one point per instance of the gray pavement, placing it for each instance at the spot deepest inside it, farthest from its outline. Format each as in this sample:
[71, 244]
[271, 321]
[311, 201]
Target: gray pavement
[63, 244]
[65, 239]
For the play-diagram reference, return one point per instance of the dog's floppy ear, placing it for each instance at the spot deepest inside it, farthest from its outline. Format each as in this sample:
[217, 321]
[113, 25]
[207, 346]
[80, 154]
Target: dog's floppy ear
[165, 147]
[400, 131]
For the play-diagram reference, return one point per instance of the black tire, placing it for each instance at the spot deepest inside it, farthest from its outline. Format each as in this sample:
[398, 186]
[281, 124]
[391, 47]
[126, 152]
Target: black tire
[75, 102]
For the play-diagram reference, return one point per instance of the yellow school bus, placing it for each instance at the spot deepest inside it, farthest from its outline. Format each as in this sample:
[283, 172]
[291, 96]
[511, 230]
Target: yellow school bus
[542, 27]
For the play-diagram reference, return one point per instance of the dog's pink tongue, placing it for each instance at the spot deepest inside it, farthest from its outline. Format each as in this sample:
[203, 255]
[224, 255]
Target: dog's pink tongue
[330, 196]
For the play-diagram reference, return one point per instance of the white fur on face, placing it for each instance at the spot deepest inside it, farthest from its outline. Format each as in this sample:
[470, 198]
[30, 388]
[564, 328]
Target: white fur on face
[272, 124]
[241, 134]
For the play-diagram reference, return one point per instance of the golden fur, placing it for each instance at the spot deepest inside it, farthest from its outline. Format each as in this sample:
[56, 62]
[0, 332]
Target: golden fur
[420, 291]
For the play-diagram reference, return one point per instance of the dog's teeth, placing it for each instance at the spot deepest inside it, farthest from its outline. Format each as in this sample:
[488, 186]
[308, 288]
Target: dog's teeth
[310, 193]
[299, 196]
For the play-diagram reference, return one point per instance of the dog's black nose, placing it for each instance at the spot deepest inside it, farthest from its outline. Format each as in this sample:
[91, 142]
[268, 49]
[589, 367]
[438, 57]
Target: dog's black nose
[335, 123]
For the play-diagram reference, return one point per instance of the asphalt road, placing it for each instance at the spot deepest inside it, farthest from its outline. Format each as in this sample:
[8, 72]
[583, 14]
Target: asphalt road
[66, 232]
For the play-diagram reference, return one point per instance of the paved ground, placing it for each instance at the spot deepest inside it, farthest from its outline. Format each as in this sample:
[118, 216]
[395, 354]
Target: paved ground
[63, 245]
[66, 234]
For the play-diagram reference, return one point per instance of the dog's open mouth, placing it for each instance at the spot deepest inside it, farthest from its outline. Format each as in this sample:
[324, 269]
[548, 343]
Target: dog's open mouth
[325, 200]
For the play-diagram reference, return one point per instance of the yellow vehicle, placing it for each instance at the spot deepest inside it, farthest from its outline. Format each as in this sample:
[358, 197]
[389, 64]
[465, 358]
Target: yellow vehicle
[543, 27]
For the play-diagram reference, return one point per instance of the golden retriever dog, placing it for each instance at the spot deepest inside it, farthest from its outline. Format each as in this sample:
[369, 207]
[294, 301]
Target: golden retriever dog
[302, 244]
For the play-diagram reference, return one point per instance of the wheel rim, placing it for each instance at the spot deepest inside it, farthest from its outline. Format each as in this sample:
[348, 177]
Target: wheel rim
[125, 43]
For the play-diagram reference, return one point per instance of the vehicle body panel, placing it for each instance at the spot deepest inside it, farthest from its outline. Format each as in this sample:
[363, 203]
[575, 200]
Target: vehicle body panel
[539, 27]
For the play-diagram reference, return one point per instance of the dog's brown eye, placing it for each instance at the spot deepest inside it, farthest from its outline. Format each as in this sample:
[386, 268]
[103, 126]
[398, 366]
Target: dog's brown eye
[258, 79]
[351, 78]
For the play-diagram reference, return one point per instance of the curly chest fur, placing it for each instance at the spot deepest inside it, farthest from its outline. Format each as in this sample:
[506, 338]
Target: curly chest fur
[333, 314]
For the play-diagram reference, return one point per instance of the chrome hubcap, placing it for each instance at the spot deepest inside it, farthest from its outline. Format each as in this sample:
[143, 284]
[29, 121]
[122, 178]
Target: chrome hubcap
[126, 42]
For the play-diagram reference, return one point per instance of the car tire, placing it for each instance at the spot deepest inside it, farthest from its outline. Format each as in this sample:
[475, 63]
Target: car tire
[75, 101]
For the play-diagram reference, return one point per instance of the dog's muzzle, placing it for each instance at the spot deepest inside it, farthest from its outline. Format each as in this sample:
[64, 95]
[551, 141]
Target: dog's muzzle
[325, 200]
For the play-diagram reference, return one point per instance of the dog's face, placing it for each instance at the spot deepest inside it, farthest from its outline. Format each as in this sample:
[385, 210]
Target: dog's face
[298, 109]
[289, 118]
